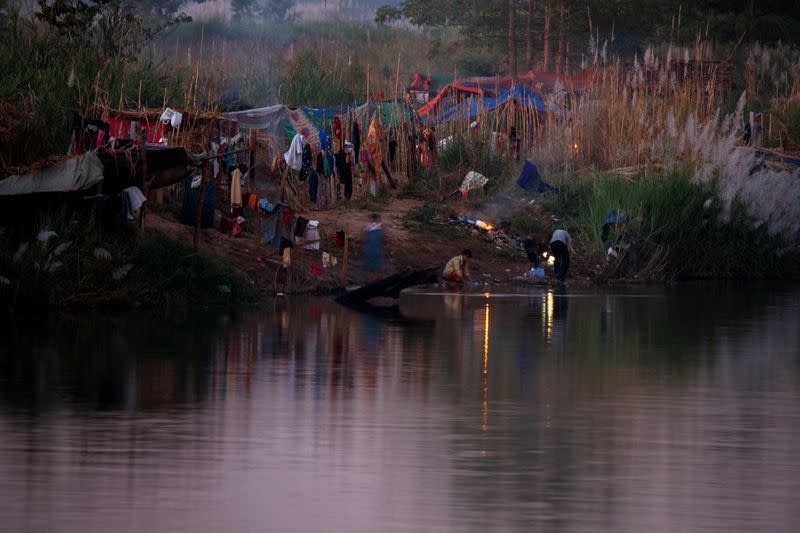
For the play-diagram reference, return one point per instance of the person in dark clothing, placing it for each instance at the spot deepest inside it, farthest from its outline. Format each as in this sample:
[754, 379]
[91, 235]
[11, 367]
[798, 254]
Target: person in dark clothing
[534, 249]
[560, 245]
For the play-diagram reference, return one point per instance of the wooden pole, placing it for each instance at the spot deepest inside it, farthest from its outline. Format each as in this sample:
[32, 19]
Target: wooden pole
[397, 79]
[252, 159]
[200, 202]
[345, 259]
[146, 184]
[205, 171]
[369, 74]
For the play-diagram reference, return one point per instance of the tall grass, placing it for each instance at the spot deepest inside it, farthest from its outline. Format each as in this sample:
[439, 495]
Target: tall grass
[675, 228]
[47, 79]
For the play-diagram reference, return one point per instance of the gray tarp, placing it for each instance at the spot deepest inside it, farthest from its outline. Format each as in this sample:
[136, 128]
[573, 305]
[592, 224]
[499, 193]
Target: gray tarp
[73, 174]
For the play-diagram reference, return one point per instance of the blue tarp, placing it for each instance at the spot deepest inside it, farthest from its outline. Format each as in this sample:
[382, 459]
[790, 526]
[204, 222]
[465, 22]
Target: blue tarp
[472, 106]
[530, 181]
[320, 115]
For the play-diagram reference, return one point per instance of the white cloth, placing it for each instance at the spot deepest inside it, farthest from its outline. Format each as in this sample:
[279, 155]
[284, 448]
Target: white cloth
[563, 236]
[311, 236]
[294, 157]
[135, 201]
[167, 115]
[176, 120]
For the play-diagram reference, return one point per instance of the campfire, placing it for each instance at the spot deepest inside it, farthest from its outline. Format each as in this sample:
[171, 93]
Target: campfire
[466, 221]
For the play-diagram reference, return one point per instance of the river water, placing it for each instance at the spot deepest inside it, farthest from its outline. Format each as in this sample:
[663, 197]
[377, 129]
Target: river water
[627, 410]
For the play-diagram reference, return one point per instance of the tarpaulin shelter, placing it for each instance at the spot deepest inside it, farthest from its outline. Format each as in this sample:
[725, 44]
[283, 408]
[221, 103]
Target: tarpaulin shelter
[300, 122]
[390, 114]
[68, 175]
[496, 87]
[473, 106]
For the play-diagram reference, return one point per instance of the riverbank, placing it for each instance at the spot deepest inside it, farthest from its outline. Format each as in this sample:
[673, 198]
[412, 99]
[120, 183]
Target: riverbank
[157, 268]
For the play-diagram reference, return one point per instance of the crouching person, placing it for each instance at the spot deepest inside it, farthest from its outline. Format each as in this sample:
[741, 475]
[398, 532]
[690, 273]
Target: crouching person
[560, 245]
[457, 269]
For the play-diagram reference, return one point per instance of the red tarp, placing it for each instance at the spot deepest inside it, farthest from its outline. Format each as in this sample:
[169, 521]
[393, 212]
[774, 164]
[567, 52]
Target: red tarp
[493, 86]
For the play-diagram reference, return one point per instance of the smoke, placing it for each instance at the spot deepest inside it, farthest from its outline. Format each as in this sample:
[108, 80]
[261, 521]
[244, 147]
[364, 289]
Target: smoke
[209, 10]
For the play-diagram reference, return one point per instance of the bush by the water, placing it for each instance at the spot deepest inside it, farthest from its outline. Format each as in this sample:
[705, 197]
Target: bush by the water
[676, 228]
[62, 265]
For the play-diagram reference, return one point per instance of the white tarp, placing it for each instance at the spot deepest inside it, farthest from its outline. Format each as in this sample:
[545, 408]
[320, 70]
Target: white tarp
[69, 175]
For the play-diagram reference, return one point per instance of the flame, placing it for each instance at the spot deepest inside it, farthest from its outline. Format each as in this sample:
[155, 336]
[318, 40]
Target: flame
[484, 225]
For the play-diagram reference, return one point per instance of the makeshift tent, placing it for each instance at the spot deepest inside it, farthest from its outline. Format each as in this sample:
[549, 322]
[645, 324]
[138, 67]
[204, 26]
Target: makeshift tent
[390, 114]
[494, 86]
[471, 107]
[165, 166]
[269, 121]
[299, 122]
[76, 173]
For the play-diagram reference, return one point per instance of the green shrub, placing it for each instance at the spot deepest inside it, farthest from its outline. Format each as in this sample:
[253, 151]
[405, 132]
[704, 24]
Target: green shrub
[677, 229]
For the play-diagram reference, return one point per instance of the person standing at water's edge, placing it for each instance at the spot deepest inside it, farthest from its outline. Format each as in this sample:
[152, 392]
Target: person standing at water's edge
[560, 245]
[457, 268]
[373, 249]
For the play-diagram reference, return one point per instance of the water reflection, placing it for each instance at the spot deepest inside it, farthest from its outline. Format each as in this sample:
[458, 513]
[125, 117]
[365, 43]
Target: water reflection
[556, 410]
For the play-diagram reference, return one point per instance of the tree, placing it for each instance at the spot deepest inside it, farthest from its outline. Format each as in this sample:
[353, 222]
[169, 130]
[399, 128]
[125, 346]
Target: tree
[277, 10]
[512, 39]
[269, 10]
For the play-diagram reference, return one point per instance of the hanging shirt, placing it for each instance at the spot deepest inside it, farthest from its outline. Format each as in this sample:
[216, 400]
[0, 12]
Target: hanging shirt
[294, 157]
[338, 136]
[374, 145]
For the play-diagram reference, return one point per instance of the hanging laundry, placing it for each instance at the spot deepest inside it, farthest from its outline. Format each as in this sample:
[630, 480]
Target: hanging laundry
[300, 228]
[322, 193]
[313, 185]
[330, 163]
[345, 173]
[307, 164]
[132, 200]
[311, 237]
[294, 156]
[374, 145]
[338, 135]
[356, 141]
[236, 187]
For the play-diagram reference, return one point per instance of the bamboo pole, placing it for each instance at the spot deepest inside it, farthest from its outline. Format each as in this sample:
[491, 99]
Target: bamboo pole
[200, 204]
[397, 80]
[369, 73]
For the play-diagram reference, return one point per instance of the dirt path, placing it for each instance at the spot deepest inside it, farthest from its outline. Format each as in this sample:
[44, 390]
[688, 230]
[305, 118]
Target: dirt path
[415, 246]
